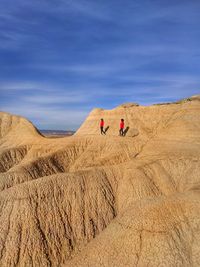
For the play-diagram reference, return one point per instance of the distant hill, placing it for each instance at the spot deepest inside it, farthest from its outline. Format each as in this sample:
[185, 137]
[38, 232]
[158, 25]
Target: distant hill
[56, 133]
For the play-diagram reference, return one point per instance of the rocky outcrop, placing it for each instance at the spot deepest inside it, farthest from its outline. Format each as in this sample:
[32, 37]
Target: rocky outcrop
[128, 105]
[11, 123]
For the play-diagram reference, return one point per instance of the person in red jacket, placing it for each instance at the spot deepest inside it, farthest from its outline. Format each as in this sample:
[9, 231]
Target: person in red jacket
[121, 128]
[101, 126]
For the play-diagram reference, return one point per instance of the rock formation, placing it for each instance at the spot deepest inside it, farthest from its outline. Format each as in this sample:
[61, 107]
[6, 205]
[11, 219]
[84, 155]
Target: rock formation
[103, 201]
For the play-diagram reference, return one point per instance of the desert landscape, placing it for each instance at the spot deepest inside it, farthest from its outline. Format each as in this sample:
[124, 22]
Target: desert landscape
[103, 201]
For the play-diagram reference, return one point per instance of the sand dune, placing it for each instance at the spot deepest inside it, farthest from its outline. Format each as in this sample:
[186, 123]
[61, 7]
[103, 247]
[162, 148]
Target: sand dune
[92, 200]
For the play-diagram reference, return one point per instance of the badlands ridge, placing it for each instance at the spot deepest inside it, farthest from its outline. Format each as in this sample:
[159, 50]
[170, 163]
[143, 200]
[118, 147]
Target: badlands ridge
[103, 201]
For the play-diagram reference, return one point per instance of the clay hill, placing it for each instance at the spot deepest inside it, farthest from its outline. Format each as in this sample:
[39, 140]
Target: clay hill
[103, 201]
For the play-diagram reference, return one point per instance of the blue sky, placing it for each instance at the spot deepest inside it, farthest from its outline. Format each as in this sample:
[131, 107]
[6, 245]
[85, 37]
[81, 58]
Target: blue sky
[61, 58]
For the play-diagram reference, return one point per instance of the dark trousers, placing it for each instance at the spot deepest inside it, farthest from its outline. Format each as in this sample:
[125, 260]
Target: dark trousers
[121, 132]
[102, 131]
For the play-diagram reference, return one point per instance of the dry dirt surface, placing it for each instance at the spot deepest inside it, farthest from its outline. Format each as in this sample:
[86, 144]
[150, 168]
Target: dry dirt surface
[103, 201]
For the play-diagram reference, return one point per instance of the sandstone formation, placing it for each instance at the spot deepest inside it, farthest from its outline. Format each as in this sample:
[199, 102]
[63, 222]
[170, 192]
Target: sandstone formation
[103, 201]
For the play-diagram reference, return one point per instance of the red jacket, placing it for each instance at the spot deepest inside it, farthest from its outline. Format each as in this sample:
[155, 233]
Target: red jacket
[121, 125]
[101, 123]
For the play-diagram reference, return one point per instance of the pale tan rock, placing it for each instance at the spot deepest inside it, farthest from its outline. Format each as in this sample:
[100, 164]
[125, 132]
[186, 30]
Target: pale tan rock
[128, 105]
[111, 201]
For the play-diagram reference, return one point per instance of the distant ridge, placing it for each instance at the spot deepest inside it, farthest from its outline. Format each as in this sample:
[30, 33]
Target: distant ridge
[57, 133]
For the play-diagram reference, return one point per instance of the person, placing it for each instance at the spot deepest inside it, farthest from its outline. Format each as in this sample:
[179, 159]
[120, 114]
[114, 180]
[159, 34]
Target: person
[121, 128]
[101, 126]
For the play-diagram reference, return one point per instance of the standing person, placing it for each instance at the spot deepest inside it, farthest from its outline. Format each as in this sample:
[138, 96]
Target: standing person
[121, 128]
[101, 126]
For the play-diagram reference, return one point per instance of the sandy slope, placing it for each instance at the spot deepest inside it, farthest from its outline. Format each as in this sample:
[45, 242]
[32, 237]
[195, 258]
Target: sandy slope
[92, 200]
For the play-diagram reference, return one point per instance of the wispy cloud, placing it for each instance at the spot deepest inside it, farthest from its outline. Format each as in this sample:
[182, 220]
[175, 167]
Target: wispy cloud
[94, 10]
[20, 86]
[57, 98]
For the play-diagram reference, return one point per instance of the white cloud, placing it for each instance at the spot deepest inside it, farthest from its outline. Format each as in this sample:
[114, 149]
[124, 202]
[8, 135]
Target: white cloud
[56, 98]
[87, 70]
[20, 86]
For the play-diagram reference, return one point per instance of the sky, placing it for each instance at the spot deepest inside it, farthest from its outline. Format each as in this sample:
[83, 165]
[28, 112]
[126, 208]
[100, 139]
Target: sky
[59, 59]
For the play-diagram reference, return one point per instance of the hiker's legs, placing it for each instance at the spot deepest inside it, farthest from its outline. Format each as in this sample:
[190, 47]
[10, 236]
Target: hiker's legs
[102, 131]
[121, 132]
